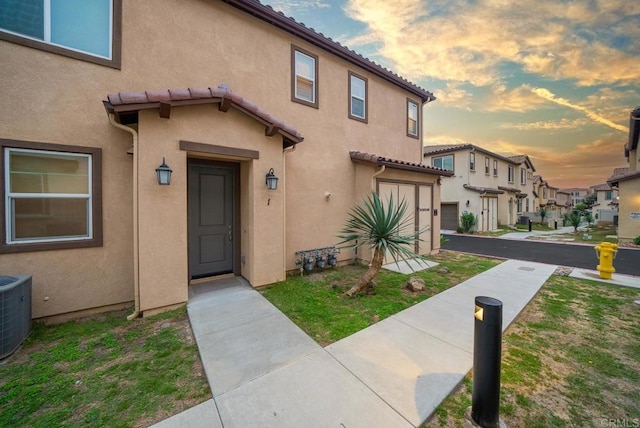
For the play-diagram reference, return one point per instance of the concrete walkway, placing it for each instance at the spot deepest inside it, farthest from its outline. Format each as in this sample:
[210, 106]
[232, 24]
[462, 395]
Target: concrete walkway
[264, 371]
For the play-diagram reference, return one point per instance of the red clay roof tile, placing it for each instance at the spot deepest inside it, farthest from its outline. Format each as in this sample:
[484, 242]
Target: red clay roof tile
[397, 164]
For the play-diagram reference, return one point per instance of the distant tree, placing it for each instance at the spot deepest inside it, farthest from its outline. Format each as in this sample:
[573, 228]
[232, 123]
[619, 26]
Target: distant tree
[574, 220]
[542, 213]
[589, 201]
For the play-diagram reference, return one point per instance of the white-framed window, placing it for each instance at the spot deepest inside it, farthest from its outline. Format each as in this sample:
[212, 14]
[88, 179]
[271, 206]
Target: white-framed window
[444, 162]
[510, 173]
[357, 97]
[523, 176]
[495, 168]
[52, 198]
[472, 161]
[413, 121]
[486, 165]
[304, 79]
[83, 27]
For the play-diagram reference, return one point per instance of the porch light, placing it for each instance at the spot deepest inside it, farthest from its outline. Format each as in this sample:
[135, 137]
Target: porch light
[164, 173]
[272, 180]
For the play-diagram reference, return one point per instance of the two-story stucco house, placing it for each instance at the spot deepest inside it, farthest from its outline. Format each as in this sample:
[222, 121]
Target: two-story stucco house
[272, 133]
[628, 185]
[495, 188]
[605, 206]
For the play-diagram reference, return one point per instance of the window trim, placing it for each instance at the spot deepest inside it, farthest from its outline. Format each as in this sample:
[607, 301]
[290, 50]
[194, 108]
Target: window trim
[315, 103]
[418, 124]
[523, 176]
[453, 161]
[96, 198]
[366, 98]
[472, 161]
[495, 167]
[116, 42]
[486, 165]
[511, 173]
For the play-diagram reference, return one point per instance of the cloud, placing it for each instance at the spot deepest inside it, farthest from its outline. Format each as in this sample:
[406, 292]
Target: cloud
[454, 96]
[472, 41]
[548, 125]
[519, 99]
[291, 7]
[443, 140]
[550, 96]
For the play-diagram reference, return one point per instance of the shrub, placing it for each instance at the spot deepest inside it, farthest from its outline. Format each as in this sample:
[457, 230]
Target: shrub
[637, 240]
[467, 221]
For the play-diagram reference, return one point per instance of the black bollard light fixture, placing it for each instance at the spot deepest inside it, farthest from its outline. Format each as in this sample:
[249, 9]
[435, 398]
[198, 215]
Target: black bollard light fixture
[487, 350]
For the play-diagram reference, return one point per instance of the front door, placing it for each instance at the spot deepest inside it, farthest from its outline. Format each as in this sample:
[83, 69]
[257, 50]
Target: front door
[211, 220]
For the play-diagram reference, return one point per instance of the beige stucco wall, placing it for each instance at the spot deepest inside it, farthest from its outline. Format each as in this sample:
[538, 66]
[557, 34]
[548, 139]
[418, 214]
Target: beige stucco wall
[628, 227]
[52, 98]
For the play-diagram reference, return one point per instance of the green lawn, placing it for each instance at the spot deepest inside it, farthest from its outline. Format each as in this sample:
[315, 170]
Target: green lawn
[571, 359]
[315, 302]
[103, 372]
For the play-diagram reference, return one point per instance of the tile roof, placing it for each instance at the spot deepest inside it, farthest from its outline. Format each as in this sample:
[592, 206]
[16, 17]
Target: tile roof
[597, 187]
[279, 20]
[357, 156]
[520, 159]
[122, 104]
[479, 189]
[448, 148]
[613, 181]
[618, 172]
[519, 193]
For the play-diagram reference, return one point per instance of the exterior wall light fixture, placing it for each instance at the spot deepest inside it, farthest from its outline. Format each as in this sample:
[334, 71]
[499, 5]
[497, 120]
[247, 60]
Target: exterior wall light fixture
[271, 180]
[164, 173]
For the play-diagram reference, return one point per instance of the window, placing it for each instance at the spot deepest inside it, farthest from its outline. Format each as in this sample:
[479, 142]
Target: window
[304, 81]
[357, 97]
[608, 195]
[86, 30]
[527, 204]
[472, 161]
[486, 166]
[510, 173]
[523, 176]
[519, 205]
[495, 167]
[413, 122]
[444, 162]
[51, 196]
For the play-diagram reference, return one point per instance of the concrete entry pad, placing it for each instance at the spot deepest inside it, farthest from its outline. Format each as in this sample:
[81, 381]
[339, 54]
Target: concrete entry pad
[315, 391]
[616, 278]
[410, 266]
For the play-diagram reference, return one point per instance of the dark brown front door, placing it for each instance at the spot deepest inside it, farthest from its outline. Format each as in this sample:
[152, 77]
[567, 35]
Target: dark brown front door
[211, 220]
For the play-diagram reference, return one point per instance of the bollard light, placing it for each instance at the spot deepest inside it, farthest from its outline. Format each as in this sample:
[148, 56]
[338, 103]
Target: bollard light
[487, 350]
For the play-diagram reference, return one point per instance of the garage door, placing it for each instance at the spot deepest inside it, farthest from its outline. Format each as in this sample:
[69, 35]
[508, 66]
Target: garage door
[449, 217]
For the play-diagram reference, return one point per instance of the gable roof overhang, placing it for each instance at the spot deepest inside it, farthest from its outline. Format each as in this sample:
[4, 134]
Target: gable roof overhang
[483, 190]
[518, 192]
[126, 105]
[442, 149]
[374, 159]
[291, 26]
[520, 159]
[615, 181]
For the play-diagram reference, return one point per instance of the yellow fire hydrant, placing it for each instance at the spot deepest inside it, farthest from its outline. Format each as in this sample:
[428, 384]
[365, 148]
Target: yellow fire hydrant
[606, 252]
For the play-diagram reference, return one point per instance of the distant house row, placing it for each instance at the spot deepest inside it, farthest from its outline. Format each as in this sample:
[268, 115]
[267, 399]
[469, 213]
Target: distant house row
[503, 190]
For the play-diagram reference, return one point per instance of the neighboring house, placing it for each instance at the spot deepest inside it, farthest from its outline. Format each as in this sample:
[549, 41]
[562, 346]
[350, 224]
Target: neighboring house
[628, 185]
[495, 188]
[606, 206]
[89, 116]
[577, 194]
[563, 200]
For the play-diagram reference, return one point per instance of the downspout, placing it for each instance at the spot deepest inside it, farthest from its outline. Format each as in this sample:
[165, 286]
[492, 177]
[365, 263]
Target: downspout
[284, 206]
[136, 249]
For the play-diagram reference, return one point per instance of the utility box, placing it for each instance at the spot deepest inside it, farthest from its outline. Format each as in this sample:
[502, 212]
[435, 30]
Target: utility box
[15, 312]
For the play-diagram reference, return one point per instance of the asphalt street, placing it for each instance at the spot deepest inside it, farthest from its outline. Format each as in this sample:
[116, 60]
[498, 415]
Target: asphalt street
[627, 261]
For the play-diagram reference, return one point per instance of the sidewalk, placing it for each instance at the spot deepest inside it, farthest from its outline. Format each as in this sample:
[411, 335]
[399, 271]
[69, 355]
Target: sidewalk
[264, 371]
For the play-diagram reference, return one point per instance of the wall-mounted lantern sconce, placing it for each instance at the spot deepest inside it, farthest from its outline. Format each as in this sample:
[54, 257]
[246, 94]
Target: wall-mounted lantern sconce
[272, 180]
[467, 204]
[164, 173]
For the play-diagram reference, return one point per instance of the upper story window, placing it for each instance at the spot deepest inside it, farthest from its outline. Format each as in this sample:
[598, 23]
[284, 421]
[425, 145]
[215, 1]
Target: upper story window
[413, 121]
[472, 161]
[544, 193]
[444, 162]
[357, 97]
[81, 29]
[486, 165]
[495, 167]
[304, 79]
[523, 176]
[51, 197]
[510, 173]
[608, 195]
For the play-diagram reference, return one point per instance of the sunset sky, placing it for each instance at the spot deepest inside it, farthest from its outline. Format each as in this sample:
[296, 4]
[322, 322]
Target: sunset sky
[553, 79]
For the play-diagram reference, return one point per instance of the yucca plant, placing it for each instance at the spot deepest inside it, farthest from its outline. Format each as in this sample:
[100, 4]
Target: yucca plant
[383, 229]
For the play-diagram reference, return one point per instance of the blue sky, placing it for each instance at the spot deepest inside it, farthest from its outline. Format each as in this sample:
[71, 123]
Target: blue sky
[554, 79]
